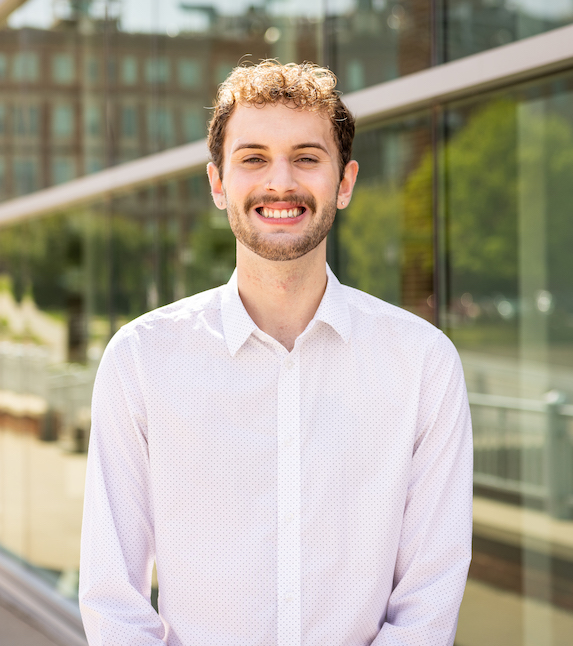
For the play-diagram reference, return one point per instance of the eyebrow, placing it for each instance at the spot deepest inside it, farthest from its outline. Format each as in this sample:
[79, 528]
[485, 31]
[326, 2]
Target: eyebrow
[252, 146]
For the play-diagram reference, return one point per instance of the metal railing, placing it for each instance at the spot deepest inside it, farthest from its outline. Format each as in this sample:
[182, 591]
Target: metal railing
[524, 446]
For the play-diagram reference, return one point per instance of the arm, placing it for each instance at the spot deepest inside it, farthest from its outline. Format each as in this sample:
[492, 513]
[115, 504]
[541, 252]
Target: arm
[118, 550]
[435, 541]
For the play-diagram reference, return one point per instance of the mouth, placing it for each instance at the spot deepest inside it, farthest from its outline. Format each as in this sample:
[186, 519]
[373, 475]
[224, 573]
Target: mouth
[280, 214]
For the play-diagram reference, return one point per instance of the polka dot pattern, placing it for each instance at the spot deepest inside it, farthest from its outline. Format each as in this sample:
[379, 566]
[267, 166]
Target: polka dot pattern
[320, 497]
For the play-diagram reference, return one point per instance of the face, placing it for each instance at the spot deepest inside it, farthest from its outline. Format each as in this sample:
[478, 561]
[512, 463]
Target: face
[281, 180]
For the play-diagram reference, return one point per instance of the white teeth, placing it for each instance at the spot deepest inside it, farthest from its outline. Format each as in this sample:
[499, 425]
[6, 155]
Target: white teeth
[282, 213]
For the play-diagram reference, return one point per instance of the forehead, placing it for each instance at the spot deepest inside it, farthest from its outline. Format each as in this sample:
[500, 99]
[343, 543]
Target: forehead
[277, 126]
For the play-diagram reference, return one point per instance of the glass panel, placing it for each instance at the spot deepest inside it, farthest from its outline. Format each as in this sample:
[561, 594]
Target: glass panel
[63, 121]
[25, 66]
[63, 68]
[472, 26]
[509, 309]
[372, 41]
[384, 238]
[155, 66]
[67, 282]
[3, 66]
[129, 70]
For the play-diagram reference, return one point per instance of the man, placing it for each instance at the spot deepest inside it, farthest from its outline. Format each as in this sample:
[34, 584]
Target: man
[295, 455]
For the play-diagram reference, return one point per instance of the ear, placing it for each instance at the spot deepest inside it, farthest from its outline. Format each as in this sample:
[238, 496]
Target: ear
[216, 186]
[347, 184]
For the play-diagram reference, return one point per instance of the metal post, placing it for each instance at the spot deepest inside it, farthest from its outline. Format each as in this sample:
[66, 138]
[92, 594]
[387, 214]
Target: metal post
[557, 458]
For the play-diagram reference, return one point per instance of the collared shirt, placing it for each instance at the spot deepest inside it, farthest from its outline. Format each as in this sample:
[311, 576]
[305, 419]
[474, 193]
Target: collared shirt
[320, 497]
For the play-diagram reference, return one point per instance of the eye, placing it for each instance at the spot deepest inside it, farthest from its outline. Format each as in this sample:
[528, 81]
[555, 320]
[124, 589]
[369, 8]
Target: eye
[253, 160]
[307, 160]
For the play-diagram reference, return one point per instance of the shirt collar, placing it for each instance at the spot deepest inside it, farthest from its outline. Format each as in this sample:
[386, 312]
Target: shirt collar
[238, 325]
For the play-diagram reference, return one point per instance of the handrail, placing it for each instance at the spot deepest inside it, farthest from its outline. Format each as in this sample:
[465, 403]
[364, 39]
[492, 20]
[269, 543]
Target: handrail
[55, 616]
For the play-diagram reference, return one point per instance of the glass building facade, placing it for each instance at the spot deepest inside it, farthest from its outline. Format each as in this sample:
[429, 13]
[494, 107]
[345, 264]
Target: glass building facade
[461, 214]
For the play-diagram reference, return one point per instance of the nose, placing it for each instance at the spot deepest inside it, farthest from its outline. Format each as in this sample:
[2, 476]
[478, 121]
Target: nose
[281, 179]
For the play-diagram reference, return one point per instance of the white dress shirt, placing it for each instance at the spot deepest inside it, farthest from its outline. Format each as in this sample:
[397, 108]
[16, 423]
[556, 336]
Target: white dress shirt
[320, 497]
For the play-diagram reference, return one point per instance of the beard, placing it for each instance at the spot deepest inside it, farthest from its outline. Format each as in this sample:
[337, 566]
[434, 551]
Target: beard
[281, 244]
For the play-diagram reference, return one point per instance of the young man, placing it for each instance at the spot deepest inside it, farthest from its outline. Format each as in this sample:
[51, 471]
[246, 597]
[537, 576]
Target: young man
[295, 455]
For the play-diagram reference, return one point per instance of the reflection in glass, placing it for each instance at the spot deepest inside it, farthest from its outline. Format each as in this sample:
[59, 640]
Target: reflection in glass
[67, 283]
[153, 67]
[472, 26]
[508, 309]
[385, 235]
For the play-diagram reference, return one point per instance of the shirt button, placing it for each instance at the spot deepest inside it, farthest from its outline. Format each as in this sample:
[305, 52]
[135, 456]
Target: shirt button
[289, 518]
[289, 597]
[288, 441]
[289, 363]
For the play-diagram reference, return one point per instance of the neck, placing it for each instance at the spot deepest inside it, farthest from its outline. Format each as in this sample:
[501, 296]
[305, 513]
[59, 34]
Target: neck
[282, 297]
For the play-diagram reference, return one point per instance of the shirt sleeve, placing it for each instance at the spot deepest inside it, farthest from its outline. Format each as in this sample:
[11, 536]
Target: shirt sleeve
[117, 547]
[435, 540]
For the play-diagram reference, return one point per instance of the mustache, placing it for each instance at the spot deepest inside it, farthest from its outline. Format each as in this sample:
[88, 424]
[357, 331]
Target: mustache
[296, 200]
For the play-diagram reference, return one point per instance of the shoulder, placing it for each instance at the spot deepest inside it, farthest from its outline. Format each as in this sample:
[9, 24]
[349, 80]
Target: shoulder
[397, 333]
[167, 322]
[392, 320]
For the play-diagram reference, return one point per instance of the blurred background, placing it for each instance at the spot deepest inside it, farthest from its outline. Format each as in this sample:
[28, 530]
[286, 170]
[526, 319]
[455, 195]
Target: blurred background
[462, 214]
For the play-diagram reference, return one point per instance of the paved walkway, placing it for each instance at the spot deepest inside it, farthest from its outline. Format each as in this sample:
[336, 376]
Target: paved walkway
[15, 632]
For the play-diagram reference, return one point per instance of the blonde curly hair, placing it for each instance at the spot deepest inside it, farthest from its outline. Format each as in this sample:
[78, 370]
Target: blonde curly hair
[302, 87]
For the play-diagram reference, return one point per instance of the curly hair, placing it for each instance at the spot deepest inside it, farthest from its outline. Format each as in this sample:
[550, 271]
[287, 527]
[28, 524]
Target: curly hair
[302, 87]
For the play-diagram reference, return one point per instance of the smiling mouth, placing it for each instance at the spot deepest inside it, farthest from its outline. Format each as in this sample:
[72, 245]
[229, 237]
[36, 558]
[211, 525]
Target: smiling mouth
[280, 214]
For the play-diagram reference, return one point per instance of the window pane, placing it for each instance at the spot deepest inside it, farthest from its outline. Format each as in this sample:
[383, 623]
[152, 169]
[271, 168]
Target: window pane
[63, 170]
[129, 70]
[384, 237]
[472, 27]
[194, 123]
[129, 121]
[160, 127]
[25, 66]
[26, 176]
[371, 42]
[189, 73]
[157, 70]
[93, 120]
[63, 121]
[508, 307]
[26, 120]
[63, 69]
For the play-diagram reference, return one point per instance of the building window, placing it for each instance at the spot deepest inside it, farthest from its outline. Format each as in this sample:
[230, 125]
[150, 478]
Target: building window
[189, 72]
[129, 121]
[26, 66]
[160, 128]
[91, 69]
[93, 164]
[111, 68]
[26, 120]
[157, 70]
[355, 75]
[193, 124]
[63, 170]
[63, 69]
[25, 175]
[129, 70]
[3, 66]
[63, 121]
[92, 121]
[222, 71]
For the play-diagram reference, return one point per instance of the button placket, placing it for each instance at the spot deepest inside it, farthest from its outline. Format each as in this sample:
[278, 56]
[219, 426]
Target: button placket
[288, 504]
